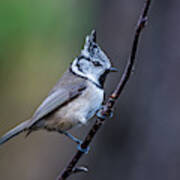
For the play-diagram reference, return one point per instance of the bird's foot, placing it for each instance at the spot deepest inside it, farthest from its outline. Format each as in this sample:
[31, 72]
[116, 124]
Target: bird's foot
[70, 136]
[102, 114]
[77, 141]
[83, 150]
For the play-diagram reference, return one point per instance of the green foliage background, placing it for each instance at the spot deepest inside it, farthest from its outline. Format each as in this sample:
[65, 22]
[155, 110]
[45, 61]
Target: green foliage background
[38, 40]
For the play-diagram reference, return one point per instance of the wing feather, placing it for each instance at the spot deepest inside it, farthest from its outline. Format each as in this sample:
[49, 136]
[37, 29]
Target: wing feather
[60, 95]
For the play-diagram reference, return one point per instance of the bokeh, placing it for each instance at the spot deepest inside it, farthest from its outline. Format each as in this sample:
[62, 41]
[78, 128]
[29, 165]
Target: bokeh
[39, 39]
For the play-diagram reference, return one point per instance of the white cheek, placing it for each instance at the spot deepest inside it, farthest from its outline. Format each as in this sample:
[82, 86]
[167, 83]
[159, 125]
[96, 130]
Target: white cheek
[92, 78]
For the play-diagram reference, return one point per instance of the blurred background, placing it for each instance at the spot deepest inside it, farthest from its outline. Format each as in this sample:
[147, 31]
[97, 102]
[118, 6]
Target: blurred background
[38, 40]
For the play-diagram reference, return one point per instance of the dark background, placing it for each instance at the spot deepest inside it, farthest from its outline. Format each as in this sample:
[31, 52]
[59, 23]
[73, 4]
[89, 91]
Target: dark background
[38, 40]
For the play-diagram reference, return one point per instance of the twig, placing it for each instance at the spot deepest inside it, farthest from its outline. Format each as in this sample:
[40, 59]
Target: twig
[107, 109]
[80, 169]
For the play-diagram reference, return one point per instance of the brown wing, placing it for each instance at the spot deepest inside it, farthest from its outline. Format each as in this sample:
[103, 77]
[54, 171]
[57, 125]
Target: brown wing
[68, 88]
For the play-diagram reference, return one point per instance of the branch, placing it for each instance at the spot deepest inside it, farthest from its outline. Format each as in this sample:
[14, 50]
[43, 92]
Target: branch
[107, 109]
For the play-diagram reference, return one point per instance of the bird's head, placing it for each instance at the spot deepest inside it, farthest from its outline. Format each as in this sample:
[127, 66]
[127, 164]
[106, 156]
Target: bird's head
[92, 63]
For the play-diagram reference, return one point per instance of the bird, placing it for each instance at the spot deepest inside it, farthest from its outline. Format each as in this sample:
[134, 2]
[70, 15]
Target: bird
[75, 99]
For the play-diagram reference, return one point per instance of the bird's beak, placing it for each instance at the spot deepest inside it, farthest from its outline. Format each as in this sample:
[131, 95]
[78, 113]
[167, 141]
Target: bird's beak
[113, 69]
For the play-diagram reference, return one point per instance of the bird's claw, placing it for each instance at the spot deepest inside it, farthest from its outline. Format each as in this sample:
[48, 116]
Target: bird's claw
[100, 114]
[83, 150]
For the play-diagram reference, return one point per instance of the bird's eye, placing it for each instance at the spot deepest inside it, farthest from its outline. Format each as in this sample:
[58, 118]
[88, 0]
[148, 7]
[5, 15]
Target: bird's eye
[96, 63]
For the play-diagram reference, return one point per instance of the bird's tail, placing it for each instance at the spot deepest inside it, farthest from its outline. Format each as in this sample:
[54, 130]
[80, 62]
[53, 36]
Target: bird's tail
[15, 131]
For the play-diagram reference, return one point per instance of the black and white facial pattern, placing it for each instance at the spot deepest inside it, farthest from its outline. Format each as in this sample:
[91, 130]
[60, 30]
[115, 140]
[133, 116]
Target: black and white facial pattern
[92, 63]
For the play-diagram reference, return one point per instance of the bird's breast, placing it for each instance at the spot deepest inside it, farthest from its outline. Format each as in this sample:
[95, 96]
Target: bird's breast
[84, 107]
[77, 111]
[91, 100]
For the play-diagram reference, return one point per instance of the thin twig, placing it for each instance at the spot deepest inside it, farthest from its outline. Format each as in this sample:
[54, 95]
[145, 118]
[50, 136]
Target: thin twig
[107, 109]
[80, 169]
